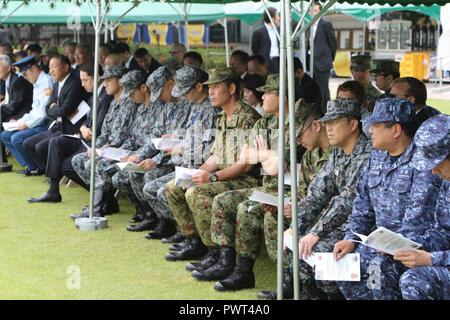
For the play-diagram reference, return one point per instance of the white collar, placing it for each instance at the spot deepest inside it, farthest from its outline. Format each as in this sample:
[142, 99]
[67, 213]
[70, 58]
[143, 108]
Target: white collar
[61, 83]
[128, 62]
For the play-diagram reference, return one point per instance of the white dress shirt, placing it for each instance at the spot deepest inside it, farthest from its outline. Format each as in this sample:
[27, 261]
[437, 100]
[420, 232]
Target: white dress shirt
[37, 114]
[274, 49]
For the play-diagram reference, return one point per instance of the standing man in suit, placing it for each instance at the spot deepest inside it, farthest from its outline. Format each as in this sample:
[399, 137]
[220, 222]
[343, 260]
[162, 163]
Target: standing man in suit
[324, 45]
[64, 101]
[265, 41]
[17, 99]
[129, 62]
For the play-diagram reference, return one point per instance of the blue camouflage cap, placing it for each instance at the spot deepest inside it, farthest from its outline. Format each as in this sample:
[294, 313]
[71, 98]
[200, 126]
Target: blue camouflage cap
[340, 108]
[392, 110]
[157, 80]
[186, 78]
[132, 80]
[432, 142]
[113, 71]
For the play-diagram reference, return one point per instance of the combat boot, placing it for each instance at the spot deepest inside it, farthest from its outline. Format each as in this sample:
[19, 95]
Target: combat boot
[207, 261]
[219, 271]
[241, 278]
[195, 249]
[288, 288]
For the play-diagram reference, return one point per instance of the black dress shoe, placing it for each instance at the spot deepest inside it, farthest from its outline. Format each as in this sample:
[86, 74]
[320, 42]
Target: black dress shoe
[46, 197]
[144, 225]
[176, 238]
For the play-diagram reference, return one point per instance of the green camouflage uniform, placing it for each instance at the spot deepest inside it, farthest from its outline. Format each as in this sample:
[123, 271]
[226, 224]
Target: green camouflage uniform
[192, 207]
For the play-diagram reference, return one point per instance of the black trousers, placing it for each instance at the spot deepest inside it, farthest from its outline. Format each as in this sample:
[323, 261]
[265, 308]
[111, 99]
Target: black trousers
[37, 147]
[274, 65]
[323, 78]
[61, 150]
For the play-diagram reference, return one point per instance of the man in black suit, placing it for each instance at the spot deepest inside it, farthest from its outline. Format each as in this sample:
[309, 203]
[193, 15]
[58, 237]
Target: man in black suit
[306, 88]
[66, 96]
[265, 41]
[321, 34]
[123, 50]
[146, 61]
[62, 149]
[18, 96]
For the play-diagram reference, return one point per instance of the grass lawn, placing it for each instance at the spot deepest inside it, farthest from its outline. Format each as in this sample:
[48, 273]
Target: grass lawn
[442, 105]
[40, 245]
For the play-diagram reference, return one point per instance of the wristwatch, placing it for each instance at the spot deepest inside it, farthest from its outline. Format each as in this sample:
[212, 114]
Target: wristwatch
[213, 177]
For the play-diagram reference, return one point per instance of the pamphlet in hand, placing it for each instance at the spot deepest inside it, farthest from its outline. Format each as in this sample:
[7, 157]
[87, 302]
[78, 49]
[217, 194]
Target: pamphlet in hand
[113, 153]
[347, 268]
[311, 260]
[11, 126]
[287, 176]
[183, 176]
[266, 198]
[130, 166]
[385, 240]
[326, 268]
[166, 143]
[82, 110]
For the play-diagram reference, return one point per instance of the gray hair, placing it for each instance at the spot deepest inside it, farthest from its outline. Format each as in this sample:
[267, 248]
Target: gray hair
[5, 60]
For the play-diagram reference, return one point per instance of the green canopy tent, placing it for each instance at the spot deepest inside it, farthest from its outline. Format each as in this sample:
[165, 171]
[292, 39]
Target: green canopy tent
[287, 35]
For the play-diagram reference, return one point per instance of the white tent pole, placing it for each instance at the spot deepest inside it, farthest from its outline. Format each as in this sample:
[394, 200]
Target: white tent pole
[281, 151]
[186, 24]
[364, 38]
[227, 50]
[303, 39]
[292, 143]
[97, 29]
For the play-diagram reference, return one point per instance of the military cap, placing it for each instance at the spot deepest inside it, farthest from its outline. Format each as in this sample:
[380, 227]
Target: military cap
[157, 80]
[432, 143]
[220, 75]
[361, 62]
[385, 67]
[113, 71]
[132, 80]
[303, 111]
[342, 108]
[392, 110]
[272, 83]
[186, 78]
[25, 63]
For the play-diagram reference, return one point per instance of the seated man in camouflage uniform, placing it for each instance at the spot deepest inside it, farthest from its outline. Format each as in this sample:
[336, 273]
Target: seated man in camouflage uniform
[323, 213]
[115, 130]
[197, 141]
[429, 274]
[221, 172]
[389, 189]
[225, 205]
[314, 138]
[385, 71]
[176, 115]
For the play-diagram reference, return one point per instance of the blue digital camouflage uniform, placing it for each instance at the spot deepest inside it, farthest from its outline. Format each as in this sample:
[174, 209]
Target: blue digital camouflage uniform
[387, 190]
[325, 209]
[115, 131]
[432, 282]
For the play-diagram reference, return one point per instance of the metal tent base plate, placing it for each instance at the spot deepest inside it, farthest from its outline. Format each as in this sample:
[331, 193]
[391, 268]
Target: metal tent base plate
[5, 167]
[88, 224]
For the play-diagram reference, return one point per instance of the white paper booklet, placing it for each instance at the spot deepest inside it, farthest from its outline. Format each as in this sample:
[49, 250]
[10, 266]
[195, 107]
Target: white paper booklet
[130, 166]
[287, 176]
[266, 198]
[311, 260]
[113, 153]
[166, 143]
[385, 240]
[11, 126]
[82, 110]
[183, 176]
[347, 268]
